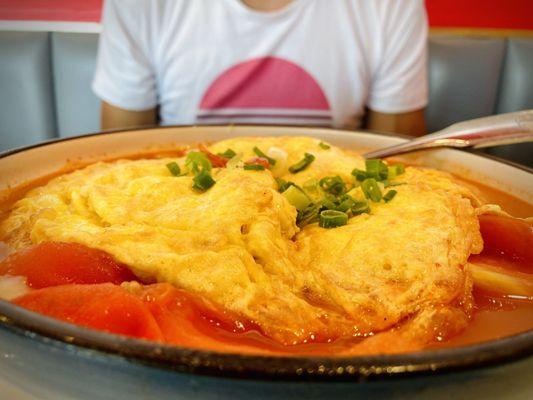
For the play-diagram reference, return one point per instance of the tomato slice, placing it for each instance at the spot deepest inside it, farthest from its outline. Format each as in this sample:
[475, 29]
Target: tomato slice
[103, 306]
[508, 239]
[185, 318]
[55, 263]
[258, 161]
[216, 161]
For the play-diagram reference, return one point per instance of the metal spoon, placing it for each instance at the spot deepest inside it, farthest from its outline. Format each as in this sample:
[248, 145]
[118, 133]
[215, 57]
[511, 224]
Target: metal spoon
[515, 127]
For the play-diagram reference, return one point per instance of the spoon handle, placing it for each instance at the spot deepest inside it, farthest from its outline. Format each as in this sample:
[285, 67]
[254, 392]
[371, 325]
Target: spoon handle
[515, 127]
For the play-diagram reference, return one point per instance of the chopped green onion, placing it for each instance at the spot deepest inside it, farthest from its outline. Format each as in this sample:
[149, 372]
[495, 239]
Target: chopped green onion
[376, 169]
[371, 189]
[360, 207]
[395, 170]
[308, 216]
[400, 168]
[324, 146]
[332, 219]
[345, 203]
[283, 184]
[259, 153]
[389, 195]
[203, 181]
[328, 203]
[195, 160]
[229, 153]
[360, 175]
[198, 163]
[302, 164]
[234, 161]
[333, 184]
[174, 168]
[254, 167]
[311, 185]
[297, 197]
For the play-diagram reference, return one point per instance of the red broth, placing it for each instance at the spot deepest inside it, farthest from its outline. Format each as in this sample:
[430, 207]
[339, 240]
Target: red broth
[508, 244]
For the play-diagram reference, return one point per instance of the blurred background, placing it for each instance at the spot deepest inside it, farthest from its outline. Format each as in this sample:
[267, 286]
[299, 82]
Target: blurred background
[480, 63]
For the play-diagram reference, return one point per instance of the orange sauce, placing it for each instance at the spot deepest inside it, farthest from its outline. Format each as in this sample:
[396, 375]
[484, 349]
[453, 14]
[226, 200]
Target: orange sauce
[516, 207]
[494, 317]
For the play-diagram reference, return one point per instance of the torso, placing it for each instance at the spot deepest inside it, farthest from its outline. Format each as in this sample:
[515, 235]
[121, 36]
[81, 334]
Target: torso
[213, 72]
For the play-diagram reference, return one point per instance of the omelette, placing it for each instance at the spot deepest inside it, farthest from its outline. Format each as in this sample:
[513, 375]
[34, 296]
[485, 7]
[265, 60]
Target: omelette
[392, 273]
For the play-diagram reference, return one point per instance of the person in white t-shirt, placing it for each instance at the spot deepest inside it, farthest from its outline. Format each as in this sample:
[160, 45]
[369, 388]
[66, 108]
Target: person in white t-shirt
[339, 63]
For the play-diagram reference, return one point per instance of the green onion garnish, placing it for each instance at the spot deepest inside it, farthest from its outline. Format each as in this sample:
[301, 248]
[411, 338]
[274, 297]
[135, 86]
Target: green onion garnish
[297, 197]
[328, 203]
[389, 195]
[203, 181]
[332, 219]
[174, 168]
[371, 189]
[345, 203]
[360, 175]
[254, 167]
[333, 184]
[308, 216]
[324, 146]
[197, 161]
[283, 184]
[376, 169]
[259, 153]
[302, 164]
[311, 185]
[229, 153]
[360, 207]
[234, 161]
[395, 170]
[400, 168]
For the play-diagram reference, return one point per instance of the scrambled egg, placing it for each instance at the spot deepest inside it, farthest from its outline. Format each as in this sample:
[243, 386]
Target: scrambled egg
[238, 243]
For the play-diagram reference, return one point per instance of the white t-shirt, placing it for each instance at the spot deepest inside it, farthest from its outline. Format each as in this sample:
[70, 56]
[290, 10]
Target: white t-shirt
[314, 62]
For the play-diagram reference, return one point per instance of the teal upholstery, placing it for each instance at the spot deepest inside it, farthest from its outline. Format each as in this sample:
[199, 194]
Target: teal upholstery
[463, 79]
[516, 93]
[73, 61]
[27, 109]
[516, 90]
[45, 83]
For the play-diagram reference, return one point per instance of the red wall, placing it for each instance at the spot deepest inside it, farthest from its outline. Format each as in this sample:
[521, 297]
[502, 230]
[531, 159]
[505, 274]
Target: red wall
[506, 14]
[51, 10]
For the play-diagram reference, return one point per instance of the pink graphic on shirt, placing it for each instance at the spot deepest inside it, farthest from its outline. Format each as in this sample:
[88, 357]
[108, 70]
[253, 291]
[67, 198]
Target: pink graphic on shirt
[265, 90]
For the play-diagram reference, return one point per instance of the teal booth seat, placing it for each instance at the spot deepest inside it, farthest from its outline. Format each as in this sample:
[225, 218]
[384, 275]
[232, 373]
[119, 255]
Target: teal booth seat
[27, 101]
[45, 83]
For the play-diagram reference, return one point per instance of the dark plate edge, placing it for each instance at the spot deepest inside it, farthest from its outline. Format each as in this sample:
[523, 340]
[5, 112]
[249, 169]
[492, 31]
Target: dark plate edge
[230, 365]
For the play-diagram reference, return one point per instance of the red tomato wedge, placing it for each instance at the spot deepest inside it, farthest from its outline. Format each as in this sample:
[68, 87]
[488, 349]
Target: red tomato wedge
[55, 263]
[187, 319]
[216, 161]
[103, 306]
[258, 161]
[156, 312]
[510, 239]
